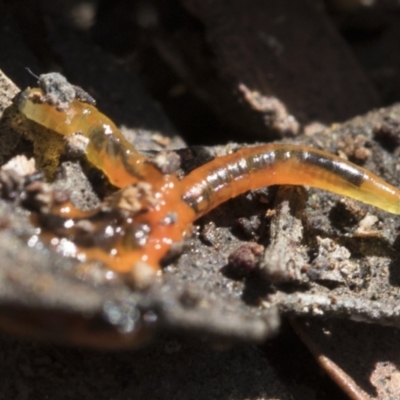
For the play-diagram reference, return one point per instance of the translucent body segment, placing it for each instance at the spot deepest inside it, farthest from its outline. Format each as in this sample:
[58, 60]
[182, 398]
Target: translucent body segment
[126, 241]
[107, 149]
[278, 164]
[123, 242]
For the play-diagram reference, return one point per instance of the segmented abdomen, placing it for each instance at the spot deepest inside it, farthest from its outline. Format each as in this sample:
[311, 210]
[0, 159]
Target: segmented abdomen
[280, 164]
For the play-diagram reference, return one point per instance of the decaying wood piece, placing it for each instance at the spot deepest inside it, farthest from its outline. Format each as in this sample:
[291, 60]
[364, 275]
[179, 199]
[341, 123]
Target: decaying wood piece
[362, 359]
[284, 60]
[352, 270]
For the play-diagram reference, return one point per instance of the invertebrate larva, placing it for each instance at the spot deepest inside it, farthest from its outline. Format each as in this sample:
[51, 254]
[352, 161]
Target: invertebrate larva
[162, 208]
[280, 164]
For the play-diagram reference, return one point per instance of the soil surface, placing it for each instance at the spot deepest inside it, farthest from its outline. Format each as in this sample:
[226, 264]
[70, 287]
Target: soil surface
[270, 282]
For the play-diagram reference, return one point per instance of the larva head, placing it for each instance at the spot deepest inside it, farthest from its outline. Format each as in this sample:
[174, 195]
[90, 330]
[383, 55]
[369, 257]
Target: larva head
[34, 105]
[31, 103]
[53, 105]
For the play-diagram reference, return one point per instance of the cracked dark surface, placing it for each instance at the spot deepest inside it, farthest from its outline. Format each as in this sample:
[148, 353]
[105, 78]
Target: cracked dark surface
[335, 263]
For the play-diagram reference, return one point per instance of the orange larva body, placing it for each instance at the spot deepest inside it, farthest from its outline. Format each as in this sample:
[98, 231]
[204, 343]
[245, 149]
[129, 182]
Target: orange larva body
[280, 164]
[107, 148]
[126, 240]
